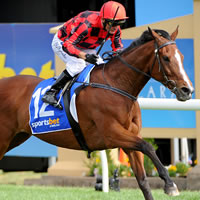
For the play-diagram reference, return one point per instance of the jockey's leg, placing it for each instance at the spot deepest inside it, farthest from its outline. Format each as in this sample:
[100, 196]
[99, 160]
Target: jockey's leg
[50, 96]
[74, 66]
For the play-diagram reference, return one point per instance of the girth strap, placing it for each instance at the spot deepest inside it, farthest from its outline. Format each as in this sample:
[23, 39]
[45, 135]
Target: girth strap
[74, 125]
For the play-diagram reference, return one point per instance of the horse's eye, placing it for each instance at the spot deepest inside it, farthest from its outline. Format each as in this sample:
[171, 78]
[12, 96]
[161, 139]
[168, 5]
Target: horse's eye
[165, 58]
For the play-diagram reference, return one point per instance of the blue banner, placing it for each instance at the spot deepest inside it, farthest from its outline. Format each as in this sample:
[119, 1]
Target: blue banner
[26, 49]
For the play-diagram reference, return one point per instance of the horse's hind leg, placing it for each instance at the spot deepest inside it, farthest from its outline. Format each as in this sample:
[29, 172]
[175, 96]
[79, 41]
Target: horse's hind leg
[18, 139]
[136, 159]
[8, 140]
[5, 138]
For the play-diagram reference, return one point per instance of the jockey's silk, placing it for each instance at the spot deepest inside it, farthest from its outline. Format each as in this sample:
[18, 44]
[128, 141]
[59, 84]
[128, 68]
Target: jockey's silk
[86, 31]
[45, 118]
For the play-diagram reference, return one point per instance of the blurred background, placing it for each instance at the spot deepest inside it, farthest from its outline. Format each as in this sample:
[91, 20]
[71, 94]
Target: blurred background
[25, 48]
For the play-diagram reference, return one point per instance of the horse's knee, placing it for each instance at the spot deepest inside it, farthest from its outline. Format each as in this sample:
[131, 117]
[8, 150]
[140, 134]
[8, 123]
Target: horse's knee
[146, 147]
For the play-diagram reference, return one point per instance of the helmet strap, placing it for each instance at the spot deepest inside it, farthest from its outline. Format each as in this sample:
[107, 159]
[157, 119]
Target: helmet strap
[104, 22]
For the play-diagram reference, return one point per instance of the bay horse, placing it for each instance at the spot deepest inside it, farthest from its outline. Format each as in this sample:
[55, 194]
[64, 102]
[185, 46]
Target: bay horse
[107, 119]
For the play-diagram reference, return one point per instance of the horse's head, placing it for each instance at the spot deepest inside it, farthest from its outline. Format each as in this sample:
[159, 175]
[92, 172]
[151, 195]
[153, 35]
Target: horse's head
[169, 69]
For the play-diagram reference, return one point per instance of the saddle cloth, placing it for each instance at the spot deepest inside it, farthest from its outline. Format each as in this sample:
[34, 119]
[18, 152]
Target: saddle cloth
[45, 118]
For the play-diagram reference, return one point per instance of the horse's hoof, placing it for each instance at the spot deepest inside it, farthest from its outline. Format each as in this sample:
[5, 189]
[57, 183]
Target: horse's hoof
[172, 190]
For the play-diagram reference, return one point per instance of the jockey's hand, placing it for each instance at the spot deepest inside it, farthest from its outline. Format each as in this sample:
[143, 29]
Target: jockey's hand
[119, 51]
[91, 58]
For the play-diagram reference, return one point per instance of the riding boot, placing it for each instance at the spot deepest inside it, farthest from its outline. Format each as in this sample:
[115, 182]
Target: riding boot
[50, 96]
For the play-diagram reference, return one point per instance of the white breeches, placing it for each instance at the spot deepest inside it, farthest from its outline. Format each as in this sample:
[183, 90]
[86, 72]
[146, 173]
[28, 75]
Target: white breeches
[74, 65]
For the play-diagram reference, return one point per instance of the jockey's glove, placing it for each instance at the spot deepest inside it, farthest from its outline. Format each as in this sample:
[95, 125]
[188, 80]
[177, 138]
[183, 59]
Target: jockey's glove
[119, 51]
[91, 58]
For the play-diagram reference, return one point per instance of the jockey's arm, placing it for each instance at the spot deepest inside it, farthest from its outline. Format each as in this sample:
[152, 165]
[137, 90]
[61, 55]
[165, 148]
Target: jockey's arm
[69, 46]
[116, 41]
[82, 55]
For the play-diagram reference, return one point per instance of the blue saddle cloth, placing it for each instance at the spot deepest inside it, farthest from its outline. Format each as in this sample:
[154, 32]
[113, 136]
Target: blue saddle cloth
[45, 118]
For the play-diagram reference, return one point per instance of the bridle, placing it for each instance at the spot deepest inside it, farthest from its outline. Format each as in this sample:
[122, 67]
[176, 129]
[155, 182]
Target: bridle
[157, 57]
[166, 82]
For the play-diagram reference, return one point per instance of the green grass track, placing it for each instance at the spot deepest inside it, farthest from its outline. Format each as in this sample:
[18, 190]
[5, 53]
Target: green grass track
[20, 192]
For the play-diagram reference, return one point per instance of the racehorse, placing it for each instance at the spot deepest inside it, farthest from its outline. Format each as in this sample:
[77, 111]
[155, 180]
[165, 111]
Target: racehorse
[108, 119]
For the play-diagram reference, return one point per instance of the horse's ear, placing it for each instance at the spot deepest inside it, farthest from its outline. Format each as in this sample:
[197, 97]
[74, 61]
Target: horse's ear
[150, 31]
[175, 33]
[154, 34]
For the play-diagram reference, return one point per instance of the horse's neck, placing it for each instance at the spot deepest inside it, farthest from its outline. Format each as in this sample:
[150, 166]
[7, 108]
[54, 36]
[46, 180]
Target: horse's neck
[127, 79]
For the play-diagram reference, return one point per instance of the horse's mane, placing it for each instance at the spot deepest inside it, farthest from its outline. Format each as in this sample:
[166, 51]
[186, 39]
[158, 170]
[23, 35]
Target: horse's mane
[146, 37]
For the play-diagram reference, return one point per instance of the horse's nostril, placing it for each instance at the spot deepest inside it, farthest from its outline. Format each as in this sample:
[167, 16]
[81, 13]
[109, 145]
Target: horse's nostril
[186, 90]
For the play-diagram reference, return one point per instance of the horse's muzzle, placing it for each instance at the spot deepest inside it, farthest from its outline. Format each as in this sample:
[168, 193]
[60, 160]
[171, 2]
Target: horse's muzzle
[184, 93]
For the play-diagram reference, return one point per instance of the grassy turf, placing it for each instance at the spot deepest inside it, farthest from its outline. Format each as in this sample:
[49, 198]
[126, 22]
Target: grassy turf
[19, 192]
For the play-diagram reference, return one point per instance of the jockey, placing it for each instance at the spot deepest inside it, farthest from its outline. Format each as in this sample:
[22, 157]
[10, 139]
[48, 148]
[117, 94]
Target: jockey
[76, 41]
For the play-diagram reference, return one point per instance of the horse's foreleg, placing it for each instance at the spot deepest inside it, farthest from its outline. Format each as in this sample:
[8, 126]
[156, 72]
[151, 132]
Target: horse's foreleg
[136, 159]
[126, 140]
[170, 187]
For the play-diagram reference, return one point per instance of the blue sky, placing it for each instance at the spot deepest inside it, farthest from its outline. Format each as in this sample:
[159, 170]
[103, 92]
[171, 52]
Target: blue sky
[151, 11]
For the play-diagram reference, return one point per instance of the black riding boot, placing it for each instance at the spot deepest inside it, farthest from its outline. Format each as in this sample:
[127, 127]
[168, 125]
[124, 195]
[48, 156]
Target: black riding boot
[50, 96]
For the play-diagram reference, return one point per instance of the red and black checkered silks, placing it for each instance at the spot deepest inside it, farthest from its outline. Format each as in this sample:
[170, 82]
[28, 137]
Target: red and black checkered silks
[86, 31]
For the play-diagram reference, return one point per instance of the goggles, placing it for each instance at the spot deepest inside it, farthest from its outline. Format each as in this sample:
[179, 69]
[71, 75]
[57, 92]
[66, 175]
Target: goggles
[115, 23]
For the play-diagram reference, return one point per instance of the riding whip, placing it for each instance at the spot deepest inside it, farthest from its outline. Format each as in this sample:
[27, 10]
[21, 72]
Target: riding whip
[108, 32]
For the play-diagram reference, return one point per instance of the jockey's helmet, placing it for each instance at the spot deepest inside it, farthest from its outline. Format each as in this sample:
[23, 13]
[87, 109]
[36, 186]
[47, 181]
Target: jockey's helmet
[108, 12]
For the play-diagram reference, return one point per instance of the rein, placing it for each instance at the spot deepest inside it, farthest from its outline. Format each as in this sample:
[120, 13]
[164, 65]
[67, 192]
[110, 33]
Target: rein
[110, 55]
[157, 57]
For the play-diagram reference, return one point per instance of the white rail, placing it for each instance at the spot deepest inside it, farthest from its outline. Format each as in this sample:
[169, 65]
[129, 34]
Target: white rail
[172, 104]
[168, 104]
[105, 176]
